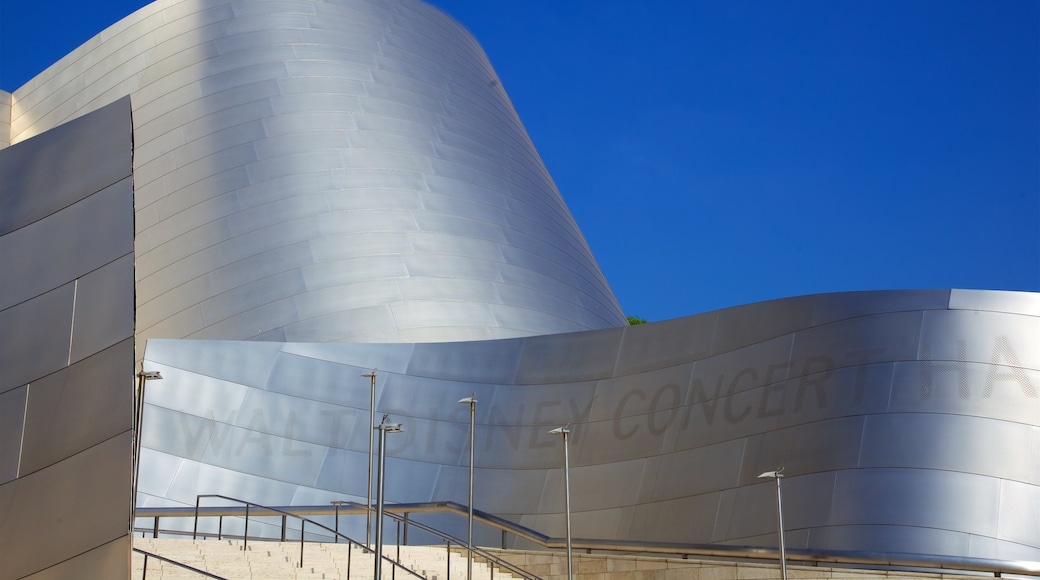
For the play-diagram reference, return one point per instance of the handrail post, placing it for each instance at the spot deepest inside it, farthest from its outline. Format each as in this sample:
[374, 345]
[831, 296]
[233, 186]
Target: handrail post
[220, 527]
[245, 536]
[283, 527]
[195, 530]
[448, 559]
[155, 527]
[303, 530]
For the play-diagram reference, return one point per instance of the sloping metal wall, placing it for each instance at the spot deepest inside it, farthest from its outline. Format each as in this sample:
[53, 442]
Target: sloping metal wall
[67, 350]
[326, 171]
[908, 422]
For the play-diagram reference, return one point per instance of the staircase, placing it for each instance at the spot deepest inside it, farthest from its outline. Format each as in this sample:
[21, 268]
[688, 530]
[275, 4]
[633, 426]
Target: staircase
[266, 560]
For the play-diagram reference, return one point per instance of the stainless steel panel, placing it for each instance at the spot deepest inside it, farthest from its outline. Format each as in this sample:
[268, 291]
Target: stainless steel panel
[73, 409]
[249, 296]
[1019, 518]
[256, 451]
[877, 338]
[569, 357]
[362, 324]
[104, 309]
[344, 471]
[749, 512]
[302, 420]
[697, 471]
[993, 301]
[252, 322]
[656, 522]
[746, 325]
[444, 314]
[346, 297]
[960, 443]
[845, 305]
[97, 157]
[472, 362]
[195, 478]
[917, 497]
[77, 240]
[12, 420]
[966, 388]
[676, 341]
[894, 539]
[388, 357]
[43, 326]
[32, 504]
[992, 337]
[179, 434]
[154, 482]
[818, 447]
[106, 561]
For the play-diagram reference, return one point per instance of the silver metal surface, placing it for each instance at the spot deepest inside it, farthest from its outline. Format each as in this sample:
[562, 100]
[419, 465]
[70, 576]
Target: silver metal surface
[323, 188]
[67, 350]
[327, 171]
[879, 440]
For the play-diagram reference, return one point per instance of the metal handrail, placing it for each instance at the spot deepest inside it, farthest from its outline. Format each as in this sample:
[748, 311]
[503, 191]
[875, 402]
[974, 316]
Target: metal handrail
[147, 554]
[285, 513]
[449, 539]
[838, 557]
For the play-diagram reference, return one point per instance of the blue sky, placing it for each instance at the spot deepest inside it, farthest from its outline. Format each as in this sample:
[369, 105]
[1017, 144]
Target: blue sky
[720, 152]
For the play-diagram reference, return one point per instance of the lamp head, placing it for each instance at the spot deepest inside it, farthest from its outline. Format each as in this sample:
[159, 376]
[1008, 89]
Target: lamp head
[560, 431]
[150, 375]
[775, 474]
[468, 400]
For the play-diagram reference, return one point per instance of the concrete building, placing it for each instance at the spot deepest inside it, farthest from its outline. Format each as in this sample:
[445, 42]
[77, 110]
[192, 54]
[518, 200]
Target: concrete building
[264, 201]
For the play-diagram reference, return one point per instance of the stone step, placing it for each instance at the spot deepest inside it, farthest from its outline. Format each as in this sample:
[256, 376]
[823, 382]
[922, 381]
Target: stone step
[263, 560]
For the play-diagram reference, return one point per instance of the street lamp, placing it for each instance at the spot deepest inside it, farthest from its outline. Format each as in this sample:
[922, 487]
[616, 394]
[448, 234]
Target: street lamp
[472, 402]
[371, 428]
[383, 428]
[142, 378]
[337, 503]
[567, 485]
[777, 474]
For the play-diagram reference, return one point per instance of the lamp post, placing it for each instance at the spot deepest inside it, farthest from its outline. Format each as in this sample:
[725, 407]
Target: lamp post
[384, 428]
[371, 429]
[777, 474]
[337, 503]
[142, 378]
[567, 486]
[472, 402]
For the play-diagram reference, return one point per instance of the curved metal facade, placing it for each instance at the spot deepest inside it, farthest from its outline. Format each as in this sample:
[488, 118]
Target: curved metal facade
[327, 171]
[907, 422]
[323, 188]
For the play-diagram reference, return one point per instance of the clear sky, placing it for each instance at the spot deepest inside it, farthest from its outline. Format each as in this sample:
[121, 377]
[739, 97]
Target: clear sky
[720, 152]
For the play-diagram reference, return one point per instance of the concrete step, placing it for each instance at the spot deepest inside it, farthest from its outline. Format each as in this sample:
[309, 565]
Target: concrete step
[263, 560]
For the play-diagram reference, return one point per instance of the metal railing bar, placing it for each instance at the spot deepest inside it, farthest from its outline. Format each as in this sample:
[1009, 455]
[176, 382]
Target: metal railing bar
[449, 539]
[270, 511]
[148, 554]
[807, 556]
